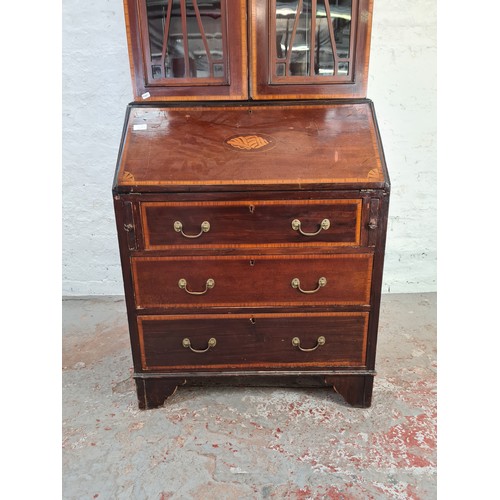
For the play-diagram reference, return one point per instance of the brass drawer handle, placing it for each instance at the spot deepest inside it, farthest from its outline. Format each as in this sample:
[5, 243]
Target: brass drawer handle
[296, 284]
[209, 284]
[296, 343]
[187, 343]
[205, 227]
[296, 226]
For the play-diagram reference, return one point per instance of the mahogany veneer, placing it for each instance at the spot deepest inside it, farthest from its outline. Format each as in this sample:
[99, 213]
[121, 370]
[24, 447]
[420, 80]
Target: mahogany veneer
[207, 200]
[252, 280]
[250, 341]
[236, 223]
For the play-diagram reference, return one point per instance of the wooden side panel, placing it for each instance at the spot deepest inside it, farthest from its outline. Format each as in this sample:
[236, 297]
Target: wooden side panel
[378, 267]
[124, 218]
[373, 221]
[129, 225]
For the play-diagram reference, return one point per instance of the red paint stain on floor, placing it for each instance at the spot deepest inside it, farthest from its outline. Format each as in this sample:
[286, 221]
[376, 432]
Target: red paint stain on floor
[418, 461]
[417, 431]
[303, 493]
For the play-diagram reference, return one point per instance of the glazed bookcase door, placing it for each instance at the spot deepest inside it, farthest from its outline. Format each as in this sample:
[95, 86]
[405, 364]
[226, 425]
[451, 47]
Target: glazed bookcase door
[188, 49]
[309, 48]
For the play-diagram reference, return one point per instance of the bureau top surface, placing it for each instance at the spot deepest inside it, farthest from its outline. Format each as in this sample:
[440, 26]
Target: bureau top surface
[328, 145]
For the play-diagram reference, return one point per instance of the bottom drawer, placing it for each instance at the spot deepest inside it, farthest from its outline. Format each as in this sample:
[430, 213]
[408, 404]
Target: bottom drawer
[253, 341]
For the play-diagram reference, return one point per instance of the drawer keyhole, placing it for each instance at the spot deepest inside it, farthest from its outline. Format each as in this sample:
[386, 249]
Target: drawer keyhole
[252, 262]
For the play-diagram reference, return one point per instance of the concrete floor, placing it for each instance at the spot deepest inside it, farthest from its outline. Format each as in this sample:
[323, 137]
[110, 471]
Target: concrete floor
[248, 443]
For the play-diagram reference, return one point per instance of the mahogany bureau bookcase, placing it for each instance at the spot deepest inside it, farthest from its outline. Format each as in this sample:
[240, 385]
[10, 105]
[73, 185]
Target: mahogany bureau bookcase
[251, 195]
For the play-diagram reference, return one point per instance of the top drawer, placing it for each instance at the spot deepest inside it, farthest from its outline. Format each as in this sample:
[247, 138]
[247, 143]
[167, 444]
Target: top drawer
[250, 223]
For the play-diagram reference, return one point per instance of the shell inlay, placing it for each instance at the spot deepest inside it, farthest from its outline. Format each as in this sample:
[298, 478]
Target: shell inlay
[247, 142]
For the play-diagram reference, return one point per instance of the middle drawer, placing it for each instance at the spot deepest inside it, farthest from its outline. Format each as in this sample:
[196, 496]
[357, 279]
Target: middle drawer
[250, 281]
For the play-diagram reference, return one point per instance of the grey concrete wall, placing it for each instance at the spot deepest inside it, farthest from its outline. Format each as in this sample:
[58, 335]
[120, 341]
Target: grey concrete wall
[402, 84]
[97, 88]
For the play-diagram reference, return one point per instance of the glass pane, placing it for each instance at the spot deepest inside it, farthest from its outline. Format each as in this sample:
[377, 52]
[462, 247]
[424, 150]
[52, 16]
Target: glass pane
[299, 60]
[156, 19]
[324, 61]
[341, 15]
[218, 70]
[185, 38]
[293, 27]
[285, 17]
[321, 26]
[333, 28]
[343, 68]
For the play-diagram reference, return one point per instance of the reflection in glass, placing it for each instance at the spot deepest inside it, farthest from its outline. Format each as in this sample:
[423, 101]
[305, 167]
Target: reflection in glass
[185, 38]
[312, 37]
[280, 69]
[343, 68]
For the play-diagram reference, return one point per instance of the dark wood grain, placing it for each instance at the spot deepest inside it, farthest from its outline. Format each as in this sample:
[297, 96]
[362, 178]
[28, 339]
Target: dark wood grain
[307, 380]
[238, 223]
[355, 389]
[379, 255]
[252, 280]
[152, 393]
[185, 148]
[122, 220]
[252, 341]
